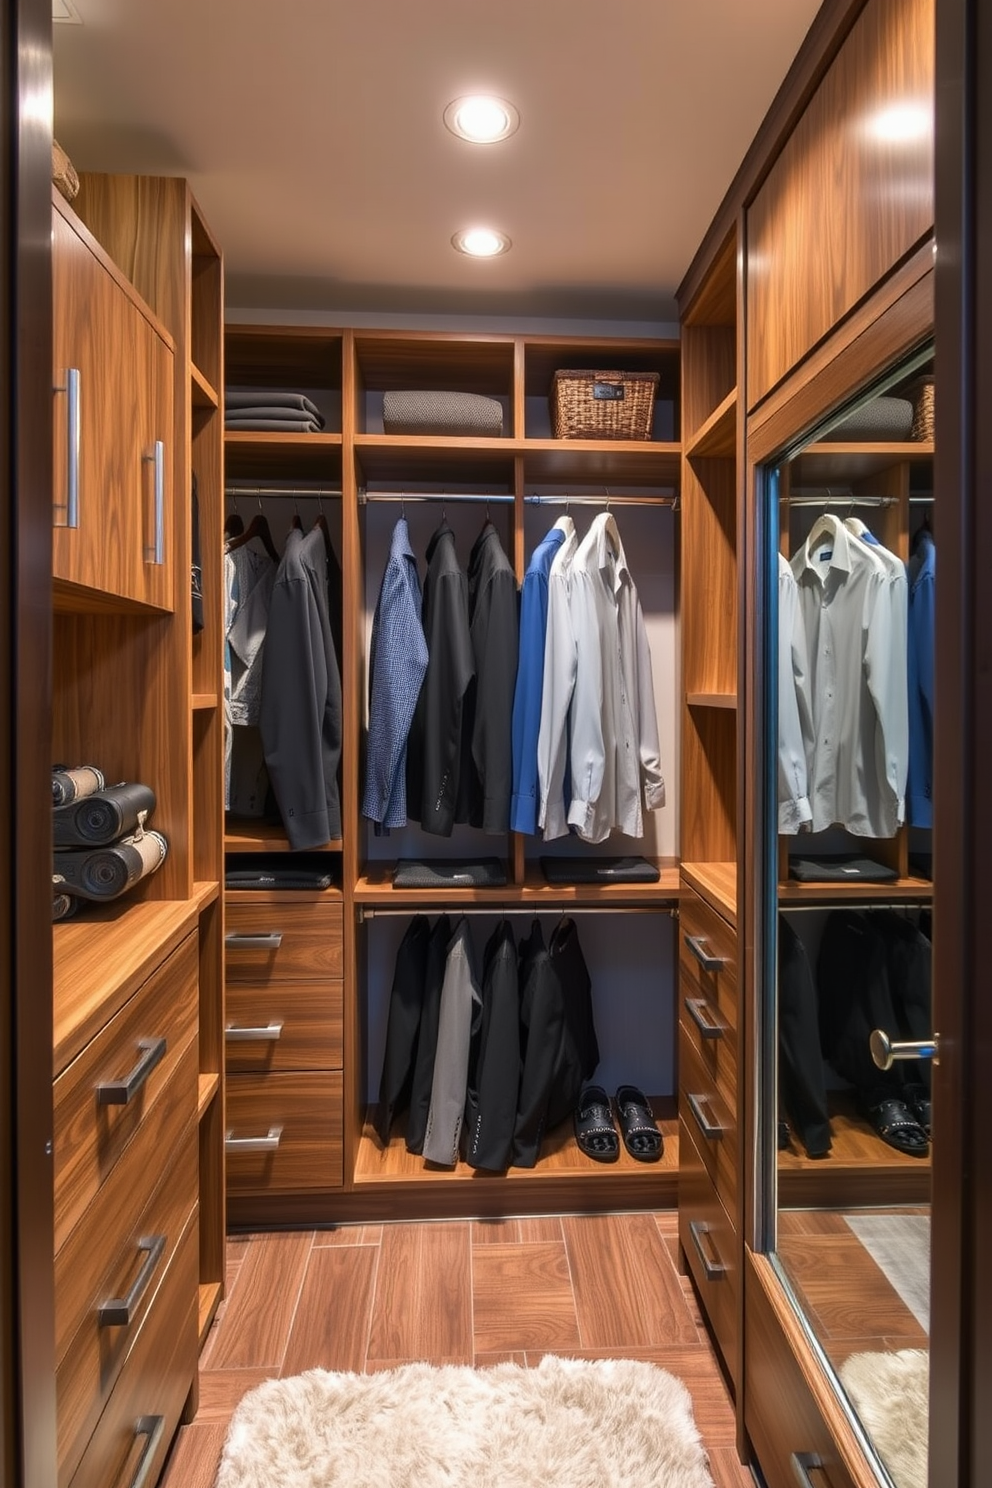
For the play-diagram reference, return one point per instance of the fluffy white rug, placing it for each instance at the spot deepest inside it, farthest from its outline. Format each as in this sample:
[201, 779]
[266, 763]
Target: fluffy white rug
[567, 1423]
[890, 1393]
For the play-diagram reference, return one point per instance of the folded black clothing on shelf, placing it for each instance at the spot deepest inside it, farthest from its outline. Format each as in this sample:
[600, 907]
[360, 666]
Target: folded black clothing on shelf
[449, 873]
[280, 415]
[69, 783]
[277, 878]
[568, 870]
[274, 426]
[252, 397]
[99, 819]
[107, 872]
[840, 868]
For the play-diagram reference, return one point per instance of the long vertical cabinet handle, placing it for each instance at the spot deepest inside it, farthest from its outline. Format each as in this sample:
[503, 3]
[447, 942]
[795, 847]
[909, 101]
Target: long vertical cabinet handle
[71, 389]
[156, 553]
[150, 1427]
[803, 1463]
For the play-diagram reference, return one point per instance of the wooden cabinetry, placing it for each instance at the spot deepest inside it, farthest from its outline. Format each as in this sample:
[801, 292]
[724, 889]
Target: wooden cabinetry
[364, 477]
[138, 982]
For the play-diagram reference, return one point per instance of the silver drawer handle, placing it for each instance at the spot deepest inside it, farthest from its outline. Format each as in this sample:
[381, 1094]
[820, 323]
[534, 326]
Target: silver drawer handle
[235, 1035]
[268, 1143]
[119, 1092]
[694, 1006]
[71, 388]
[156, 553]
[697, 945]
[713, 1270]
[711, 1130]
[271, 941]
[150, 1427]
[803, 1463]
[119, 1312]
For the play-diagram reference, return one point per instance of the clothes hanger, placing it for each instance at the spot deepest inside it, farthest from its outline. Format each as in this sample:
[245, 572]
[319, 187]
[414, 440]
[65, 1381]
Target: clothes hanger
[321, 523]
[257, 527]
[297, 519]
[234, 522]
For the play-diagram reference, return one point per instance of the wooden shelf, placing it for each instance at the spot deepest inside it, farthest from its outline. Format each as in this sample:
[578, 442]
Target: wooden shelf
[244, 835]
[711, 700]
[288, 457]
[375, 888]
[828, 461]
[859, 1169]
[204, 700]
[204, 395]
[910, 890]
[718, 435]
[205, 891]
[102, 958]
[620, 462]
[207, 1089]
[209, 1300]
[717, 884]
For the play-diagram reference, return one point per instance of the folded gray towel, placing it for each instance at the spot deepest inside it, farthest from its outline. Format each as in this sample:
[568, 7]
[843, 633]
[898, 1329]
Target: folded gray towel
[239, 397]
[275, 426]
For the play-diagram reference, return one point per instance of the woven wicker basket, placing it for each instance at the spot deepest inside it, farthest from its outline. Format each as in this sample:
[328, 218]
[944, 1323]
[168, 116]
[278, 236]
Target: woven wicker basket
[922, 410]
[603, 405]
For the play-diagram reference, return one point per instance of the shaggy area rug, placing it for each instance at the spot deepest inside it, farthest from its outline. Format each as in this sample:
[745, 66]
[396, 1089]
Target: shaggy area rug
[604, 1424]
[890, 1393]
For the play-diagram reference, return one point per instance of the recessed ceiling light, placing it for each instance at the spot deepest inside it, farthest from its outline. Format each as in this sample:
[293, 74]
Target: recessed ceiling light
[481, 242]
[481, 119]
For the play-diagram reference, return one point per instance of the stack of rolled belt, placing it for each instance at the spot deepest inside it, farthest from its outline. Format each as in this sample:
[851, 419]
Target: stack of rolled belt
[102, 847]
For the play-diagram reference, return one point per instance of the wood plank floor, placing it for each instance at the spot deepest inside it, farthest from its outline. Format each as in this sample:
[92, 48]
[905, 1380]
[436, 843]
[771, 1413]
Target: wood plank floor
[369, 1297]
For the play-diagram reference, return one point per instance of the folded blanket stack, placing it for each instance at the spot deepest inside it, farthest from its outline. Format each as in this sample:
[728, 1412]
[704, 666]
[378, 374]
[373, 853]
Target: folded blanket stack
[271, 410]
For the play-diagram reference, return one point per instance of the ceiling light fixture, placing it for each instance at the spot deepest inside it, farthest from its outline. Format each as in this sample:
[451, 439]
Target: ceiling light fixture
[481, 242]
[481, 119]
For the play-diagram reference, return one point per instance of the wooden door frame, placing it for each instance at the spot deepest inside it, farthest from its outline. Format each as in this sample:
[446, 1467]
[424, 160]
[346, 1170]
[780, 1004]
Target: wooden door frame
[961, 1288]
[27, 1365]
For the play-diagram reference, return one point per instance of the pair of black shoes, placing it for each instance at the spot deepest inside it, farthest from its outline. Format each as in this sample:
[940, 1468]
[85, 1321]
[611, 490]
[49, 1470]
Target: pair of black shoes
[596, 1132]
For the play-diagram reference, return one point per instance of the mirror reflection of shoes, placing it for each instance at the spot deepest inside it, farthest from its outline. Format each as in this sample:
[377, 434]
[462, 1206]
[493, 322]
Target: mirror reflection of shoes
[895, 1123]
[917, 1098]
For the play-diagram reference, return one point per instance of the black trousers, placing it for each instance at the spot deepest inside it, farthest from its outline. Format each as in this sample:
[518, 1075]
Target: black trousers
[802, 1082]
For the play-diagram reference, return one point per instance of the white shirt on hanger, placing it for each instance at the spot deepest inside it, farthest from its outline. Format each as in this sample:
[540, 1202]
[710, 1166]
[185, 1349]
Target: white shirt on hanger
[613, 733]
[795, 723]
[854, 617]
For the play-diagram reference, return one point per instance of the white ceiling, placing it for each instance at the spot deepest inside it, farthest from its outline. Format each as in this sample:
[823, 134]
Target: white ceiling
[311, 133]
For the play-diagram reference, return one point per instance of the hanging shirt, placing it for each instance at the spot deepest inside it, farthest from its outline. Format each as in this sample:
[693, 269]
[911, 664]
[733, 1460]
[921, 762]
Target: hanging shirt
[526, 720]
[248, 580]
[398, 661]
[613, 732]
[487, 772]
[556, 692]
[920, 678]
[795, 724]
[300, 718]
[461, 1007]
[434, 747]
[852, 614]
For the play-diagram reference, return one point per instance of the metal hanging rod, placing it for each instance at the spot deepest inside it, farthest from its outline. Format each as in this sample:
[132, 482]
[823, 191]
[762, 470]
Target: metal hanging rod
[803, 497]
[901, 905]
[400, 498]
[606, 501]
[316, 492]
[504, 911]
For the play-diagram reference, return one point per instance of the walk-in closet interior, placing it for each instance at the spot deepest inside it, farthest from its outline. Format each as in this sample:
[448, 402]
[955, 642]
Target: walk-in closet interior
[425, 827]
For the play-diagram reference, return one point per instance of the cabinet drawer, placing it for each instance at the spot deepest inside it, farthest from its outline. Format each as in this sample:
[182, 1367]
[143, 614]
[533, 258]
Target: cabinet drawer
[95, 1123]
[707, 969]
[133, 1435]
[709, 1114]
[781, 1414]
[96, 1346]
[709, 1239]
[284, 1133]
[271, 939]
[285, 1026]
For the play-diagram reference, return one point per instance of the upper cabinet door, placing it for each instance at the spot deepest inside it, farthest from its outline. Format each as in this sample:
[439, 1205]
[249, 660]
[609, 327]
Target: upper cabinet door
[112, 488]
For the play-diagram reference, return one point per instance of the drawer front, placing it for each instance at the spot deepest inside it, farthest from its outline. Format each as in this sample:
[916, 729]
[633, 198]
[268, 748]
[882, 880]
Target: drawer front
[710, 1114]
[94, 1125]
[709, 989]
[284, 1133]
[271, 939]
[785, 1424]
[97, 1349]
[709, 1239]
[132, 1436]
[285, 1026]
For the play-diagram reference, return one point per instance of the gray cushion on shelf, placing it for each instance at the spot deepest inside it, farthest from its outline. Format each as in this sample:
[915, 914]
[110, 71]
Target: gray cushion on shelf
[883, 420]
[421, 412]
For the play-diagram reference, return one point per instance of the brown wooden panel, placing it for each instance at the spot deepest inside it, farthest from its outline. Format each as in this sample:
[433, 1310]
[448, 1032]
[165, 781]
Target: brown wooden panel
[781, 1413]
[310, 938]
[709, 576]
[155, 1381]
[522, 1298]
[708, 1237]
[847, 197]
[90, 1137]
[333, 1336]
[715, 1107]
[306, 1109]
[709, 372]
[262, 1304]
[627, 1294]
[709, 790]
[95, 1353]
[422, 1304]
[308, 1016]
